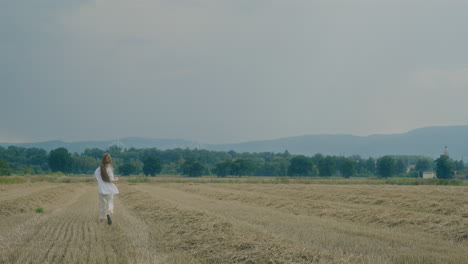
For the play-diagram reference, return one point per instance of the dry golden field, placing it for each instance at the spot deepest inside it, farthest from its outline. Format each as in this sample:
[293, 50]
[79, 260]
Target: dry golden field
[190, 222]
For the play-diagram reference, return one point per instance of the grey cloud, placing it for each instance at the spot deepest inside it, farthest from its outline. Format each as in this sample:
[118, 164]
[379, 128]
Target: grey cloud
[226, 71]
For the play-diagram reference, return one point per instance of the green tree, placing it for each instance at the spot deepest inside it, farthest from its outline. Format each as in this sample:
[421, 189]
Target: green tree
[444, 167]
[400, 167]
[232, 153]
[317, 158]
[348, 167]
[114, 150]
[327, 166]
[138, 165]
[60, 160]
[242, 167]
[192, 168]
[196, 170]
[386, 166]
[300, 166]
[4, 168]
[36, 157]
[459, 165]
[127, 169]
[84, 164]
[171, 168]
[370, 165]
[361, 167]
[423, 164]
[94, 152]
[223, 169]
[282, 164]
[152, 166]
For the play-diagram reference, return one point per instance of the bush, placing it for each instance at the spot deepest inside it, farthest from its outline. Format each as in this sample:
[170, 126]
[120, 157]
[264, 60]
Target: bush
[11, 180]
[40, 210]
[4, 168]
[192, 168]
[282, 180]
[66, 180]
[60, 160]
[127, 169]
[152, 166]
[139, 179]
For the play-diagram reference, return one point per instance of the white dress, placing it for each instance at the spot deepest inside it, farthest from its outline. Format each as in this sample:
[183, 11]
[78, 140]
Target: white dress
[105, 187]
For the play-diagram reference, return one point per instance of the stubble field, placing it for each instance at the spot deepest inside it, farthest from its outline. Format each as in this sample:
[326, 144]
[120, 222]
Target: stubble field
[235, 223]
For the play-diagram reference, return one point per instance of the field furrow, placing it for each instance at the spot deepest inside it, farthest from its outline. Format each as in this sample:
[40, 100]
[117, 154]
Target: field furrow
[316, 201]
[15, 191]
[73, 234]
[212, 239]
[46, 198]
[342, 239]
[193, 223]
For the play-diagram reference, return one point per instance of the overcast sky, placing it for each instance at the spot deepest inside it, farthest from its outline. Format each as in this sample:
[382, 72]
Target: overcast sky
[223, 71]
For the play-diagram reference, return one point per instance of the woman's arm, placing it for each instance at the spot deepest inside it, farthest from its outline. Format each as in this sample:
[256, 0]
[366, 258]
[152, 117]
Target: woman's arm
[111, 175]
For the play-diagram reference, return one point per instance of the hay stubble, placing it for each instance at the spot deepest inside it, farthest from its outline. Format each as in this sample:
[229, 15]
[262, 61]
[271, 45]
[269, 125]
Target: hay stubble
[235, 223]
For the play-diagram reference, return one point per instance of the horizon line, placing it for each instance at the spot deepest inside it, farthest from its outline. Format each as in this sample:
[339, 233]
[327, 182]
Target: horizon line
[238, 142]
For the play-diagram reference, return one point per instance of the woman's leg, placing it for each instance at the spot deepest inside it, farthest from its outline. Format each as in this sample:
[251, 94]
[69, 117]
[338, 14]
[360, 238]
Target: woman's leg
[102, 207]
[110, 203]
[110, 208]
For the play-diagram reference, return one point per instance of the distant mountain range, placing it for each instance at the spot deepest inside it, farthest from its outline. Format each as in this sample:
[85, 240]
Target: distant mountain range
[428, 141]
[129, 142]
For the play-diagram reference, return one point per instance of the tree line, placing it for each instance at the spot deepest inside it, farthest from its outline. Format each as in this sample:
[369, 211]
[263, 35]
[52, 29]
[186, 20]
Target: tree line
[196, 162]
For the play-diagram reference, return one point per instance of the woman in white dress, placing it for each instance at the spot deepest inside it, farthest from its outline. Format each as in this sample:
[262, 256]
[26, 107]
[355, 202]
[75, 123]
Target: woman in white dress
[104, 175]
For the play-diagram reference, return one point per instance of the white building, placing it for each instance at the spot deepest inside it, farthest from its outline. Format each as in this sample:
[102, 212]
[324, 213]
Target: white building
[429, 175]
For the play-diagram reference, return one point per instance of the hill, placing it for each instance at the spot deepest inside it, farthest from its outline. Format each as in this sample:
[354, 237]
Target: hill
[428, 141]
[129, 142]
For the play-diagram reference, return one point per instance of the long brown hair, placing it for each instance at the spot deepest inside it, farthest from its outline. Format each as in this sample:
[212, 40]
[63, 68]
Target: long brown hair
[105, 162]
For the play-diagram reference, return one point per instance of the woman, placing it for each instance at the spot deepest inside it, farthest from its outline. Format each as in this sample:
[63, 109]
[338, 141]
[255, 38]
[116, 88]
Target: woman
[104, 174]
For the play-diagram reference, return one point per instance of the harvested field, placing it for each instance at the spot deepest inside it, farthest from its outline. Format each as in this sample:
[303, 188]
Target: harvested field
[235, 223]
